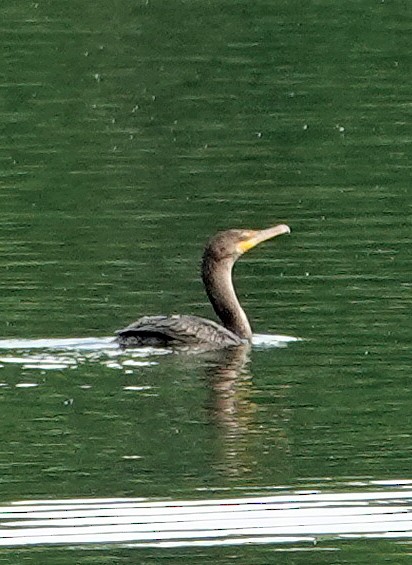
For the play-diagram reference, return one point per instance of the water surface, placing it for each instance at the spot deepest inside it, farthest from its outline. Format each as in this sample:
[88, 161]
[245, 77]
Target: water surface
[129, 134]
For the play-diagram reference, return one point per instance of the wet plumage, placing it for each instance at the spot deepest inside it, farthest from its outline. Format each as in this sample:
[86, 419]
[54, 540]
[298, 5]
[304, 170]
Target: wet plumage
[219, 256]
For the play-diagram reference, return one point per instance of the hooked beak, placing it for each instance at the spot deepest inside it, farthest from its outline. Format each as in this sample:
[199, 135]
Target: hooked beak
[257, 237]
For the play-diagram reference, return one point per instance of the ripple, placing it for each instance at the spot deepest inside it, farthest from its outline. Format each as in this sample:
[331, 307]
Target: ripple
[80, 344]
[281, 519]
[266, 340]
[63, 354]
[69, 353]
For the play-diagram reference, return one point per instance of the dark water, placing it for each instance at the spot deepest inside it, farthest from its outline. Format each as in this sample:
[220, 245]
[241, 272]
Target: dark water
[130, 132]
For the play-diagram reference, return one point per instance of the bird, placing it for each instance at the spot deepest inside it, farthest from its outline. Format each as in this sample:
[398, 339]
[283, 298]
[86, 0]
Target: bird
[219, 256]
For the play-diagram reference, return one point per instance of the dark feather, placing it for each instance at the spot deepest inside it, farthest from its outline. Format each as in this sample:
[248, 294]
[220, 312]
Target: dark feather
[176, 330]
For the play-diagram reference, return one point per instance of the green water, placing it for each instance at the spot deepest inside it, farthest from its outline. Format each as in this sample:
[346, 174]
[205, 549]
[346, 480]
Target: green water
[129, 133]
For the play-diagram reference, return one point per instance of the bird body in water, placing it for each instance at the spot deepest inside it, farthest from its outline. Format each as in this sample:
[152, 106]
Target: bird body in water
[220, 254]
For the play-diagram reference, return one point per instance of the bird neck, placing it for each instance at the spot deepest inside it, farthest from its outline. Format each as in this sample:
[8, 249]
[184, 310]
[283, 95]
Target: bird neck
[217, 278]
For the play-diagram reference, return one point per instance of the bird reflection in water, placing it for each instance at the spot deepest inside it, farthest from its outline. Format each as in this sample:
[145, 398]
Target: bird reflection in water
[230, 407]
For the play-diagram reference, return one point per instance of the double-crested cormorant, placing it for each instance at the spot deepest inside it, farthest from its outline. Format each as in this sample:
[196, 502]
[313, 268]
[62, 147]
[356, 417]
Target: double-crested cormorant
[219, 256]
